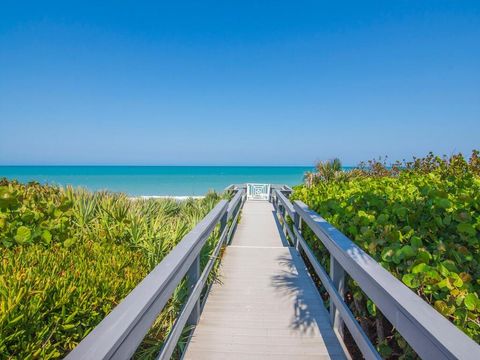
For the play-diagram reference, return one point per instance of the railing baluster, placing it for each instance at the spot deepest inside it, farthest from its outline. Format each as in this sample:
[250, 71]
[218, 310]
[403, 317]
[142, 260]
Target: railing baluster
[223, 223]
[192, 277]
[297, 221]
[337, 274]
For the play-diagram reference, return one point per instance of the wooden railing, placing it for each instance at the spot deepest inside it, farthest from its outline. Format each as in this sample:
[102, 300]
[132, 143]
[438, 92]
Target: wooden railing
[430, 334]
[120, 333]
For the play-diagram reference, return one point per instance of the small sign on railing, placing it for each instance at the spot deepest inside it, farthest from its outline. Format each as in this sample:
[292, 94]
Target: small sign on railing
[258, 191]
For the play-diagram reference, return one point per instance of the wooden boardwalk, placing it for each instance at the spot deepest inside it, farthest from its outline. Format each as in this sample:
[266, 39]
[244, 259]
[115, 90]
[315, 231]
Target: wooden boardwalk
[265, 305]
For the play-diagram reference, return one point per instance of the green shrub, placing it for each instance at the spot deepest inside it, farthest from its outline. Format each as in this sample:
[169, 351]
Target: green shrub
[420, 221]
[50, 298]
[69, 256]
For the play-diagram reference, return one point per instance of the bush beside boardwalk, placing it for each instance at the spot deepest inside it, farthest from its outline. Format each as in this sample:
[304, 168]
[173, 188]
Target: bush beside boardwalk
[69, 256]
[421, 221]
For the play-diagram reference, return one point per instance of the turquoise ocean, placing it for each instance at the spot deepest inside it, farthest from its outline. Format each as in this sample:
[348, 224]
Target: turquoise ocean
[155, 180]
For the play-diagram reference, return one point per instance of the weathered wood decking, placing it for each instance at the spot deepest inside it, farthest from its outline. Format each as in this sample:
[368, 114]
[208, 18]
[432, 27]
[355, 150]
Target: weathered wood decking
[265, 305]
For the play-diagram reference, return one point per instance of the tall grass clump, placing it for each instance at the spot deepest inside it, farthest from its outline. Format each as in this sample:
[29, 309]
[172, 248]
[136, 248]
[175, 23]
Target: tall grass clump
[69, 256]
[421, 221]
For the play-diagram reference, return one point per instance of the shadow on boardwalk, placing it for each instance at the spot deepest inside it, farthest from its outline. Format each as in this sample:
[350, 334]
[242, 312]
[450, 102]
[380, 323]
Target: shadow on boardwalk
[309, 314]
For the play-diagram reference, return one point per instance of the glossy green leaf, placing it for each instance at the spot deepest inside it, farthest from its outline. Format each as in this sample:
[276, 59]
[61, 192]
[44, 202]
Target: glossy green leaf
[471, 301]
[23, 234]
[410, 280]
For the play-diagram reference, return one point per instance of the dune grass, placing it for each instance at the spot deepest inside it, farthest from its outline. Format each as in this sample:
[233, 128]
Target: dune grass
[69, 256]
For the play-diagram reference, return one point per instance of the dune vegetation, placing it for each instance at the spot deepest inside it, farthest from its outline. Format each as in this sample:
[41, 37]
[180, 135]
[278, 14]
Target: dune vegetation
[69, 256]
[420, 220]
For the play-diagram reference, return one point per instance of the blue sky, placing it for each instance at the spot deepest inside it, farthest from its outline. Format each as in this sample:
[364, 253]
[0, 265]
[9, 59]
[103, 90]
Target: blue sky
[237, 83]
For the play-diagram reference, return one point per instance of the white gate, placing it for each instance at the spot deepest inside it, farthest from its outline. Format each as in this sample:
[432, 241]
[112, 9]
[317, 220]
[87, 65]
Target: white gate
[258, 191]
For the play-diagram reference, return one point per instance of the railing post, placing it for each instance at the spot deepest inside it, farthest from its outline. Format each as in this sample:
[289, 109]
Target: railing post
[297, 221]
[193, 275]
[223, 222]
[337, 274]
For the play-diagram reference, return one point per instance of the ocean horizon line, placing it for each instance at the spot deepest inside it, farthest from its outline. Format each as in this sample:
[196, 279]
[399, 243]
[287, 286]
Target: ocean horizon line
[130, 165]
[155, 180]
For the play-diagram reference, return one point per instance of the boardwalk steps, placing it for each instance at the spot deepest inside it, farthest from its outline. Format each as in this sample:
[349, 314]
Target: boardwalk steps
[265, 304]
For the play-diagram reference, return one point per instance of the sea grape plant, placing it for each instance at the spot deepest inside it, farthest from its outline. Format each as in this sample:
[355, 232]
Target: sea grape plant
[421, 221]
